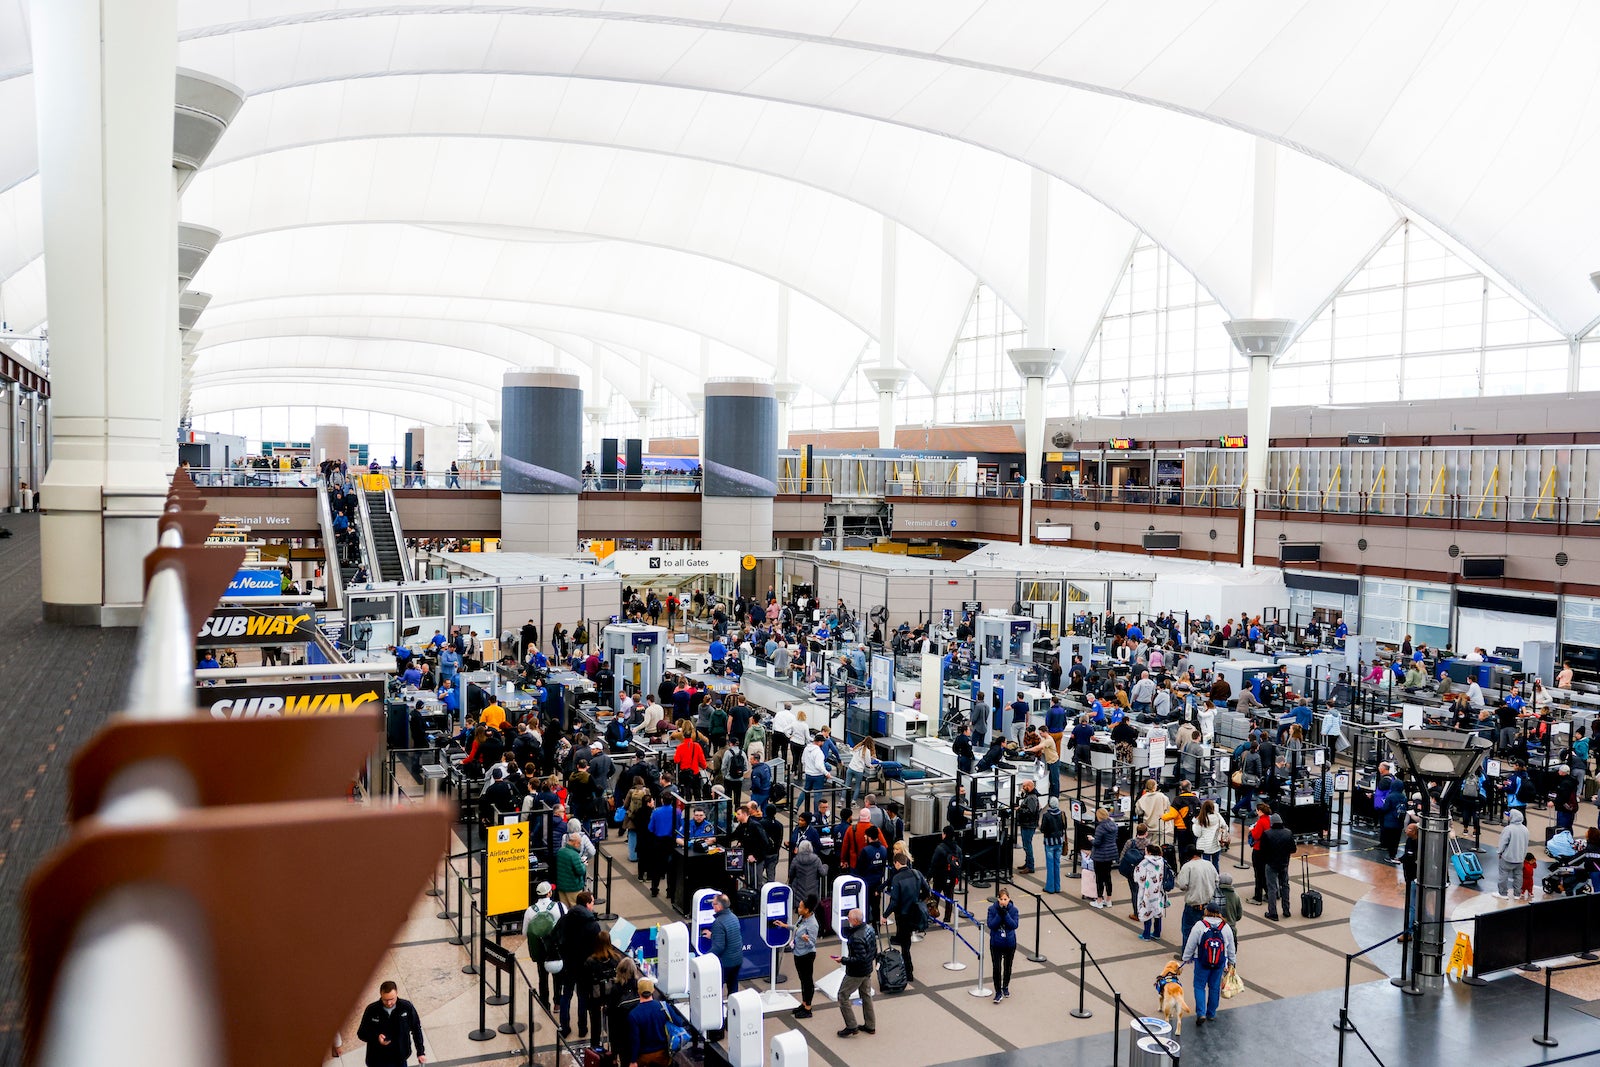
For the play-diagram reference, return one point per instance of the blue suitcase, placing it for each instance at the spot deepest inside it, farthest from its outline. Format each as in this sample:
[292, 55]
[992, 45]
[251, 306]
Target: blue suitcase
[1468, 870]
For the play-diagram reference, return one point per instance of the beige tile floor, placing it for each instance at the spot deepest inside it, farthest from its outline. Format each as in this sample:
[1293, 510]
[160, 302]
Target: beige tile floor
[1276, 960]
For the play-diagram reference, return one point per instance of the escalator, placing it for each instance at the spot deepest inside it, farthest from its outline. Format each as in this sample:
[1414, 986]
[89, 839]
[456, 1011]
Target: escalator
[383, 530]
[337, 574]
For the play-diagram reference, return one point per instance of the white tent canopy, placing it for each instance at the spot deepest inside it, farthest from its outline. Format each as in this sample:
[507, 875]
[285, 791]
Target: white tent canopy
[664, 168]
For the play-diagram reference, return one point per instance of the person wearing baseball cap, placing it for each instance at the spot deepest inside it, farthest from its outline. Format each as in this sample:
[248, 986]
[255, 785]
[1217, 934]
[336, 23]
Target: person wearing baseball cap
[648, 1024]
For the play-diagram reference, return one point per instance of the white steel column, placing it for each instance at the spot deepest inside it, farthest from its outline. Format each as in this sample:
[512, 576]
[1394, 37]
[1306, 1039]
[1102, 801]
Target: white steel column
[782, 387]
[1038, 362]
[887, 378]
[1260, 339]
[105, 85]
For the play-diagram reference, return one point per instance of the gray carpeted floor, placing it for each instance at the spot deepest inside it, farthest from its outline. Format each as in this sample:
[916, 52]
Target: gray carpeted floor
[58, 684]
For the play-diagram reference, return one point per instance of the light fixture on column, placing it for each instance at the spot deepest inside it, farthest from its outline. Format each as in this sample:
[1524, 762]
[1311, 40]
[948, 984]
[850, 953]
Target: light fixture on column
[190, 306]
[1594, 280]
[204, 107]
[1260, 337]
[195, 243]
[889, 382]
[1443, 758]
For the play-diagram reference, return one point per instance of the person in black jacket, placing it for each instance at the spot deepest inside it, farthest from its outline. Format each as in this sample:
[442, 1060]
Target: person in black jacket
[962, 747]
[945, 869]
[906, 890]
[576, 933]
[390, 1027]
[1277, 845]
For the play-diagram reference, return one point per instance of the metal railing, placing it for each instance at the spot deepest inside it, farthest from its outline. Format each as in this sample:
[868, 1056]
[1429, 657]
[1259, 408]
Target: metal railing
[142, 953]
[1161, 496]
[1454, 507]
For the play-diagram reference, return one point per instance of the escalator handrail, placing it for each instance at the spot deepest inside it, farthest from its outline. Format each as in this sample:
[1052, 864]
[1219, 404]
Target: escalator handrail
[331, 567]
[399, 535]
[369, 547]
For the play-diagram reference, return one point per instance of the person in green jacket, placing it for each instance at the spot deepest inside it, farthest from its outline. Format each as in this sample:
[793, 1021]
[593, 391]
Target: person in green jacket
[1232, 906]
[571, 872]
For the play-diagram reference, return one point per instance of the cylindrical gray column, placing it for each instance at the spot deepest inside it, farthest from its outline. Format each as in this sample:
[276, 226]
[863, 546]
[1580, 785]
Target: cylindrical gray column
[330, 441]
[741, 464]
[416, 441]
[541, 460]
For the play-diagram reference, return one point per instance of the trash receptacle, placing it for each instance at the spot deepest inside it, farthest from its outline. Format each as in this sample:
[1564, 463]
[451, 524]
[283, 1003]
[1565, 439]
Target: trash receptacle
[1153, 1052]
[921, 813]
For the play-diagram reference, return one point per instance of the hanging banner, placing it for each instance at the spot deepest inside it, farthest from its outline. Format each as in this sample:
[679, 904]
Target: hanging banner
[256, 583]
[257, 626]
[289, 699]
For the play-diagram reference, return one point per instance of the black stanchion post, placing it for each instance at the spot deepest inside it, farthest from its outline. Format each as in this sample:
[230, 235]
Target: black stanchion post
[1082, 1012]
[461, 937]
[1116, 1026]
[1544, 1040]
[469, 933]
[1244, 832]
[483, 1032]
[533, 1027]
[1036, 956]
[1343, 1025]
[446, 913]
[609, 915]
[511, 1026]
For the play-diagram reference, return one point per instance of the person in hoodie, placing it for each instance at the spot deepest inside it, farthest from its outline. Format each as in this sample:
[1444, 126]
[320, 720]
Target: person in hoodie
[1513, 846]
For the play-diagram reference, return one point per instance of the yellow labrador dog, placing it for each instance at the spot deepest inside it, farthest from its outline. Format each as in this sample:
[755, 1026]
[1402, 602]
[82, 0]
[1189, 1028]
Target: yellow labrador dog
[1169, 984]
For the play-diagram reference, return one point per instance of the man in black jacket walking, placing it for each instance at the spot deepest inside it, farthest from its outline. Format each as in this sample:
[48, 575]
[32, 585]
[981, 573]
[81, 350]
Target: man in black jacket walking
[1277, 845]
[390, 1026]
[907, 888]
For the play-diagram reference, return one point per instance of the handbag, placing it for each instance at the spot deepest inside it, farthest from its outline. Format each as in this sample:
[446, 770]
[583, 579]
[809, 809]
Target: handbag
[619, 815]
[1237, 778]
[1232, 984]
[678, 1037]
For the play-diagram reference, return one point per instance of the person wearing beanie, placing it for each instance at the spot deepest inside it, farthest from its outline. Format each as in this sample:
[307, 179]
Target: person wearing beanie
[1277, 845]
[1211, 948]
[648, 1024]
[1513, 847]
[1053, 828]
[1232, 906]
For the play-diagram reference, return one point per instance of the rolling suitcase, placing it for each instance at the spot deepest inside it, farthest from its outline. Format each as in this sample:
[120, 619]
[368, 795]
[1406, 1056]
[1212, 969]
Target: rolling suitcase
[891, 971]
[1465, 863]
[1310, 899]
[1088, 888]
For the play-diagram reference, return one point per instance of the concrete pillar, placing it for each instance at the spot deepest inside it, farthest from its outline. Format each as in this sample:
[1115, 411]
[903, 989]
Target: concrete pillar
[541, 460]
[1260, 341]
[1036, 365]
[597, 415]
[697, 402]
[785, 392]
[887, 377]
[104, 88]
[1260, 338]
[741, 465]
[330, 441]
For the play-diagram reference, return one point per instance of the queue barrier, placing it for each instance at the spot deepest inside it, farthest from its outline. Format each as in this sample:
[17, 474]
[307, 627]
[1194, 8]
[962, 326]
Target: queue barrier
[955, 936]
[1544, 930]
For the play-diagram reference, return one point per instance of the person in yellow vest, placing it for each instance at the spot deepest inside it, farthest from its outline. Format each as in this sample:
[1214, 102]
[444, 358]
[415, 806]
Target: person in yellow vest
[494, 716]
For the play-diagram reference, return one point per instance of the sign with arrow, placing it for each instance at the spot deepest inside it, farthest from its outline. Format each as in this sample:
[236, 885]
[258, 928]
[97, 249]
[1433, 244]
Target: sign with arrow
[506, 886]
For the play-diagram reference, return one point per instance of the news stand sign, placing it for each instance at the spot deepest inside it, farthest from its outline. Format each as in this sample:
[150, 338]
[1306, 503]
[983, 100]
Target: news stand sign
[290, 699]
[257, 626]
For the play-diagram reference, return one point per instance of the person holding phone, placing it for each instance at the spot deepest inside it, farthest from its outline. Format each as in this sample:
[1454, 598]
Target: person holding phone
[390, 1027]
[803, 944]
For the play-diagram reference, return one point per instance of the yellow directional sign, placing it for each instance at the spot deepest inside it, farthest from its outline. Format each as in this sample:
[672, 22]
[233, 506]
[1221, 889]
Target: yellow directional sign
[507, 883]
[749, 562]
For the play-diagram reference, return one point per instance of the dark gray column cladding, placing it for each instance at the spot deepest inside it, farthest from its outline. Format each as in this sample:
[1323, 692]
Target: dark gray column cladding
[541, 432]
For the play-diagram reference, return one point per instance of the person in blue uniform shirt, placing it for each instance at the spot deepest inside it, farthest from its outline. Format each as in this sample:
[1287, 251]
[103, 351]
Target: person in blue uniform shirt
[412, 677]
[450, 696]
[437, 640]
[1341, 631]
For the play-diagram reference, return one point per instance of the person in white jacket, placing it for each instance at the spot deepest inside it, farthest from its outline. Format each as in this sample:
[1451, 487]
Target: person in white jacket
[1513, 847]
[1151, 805]
[1210, 833]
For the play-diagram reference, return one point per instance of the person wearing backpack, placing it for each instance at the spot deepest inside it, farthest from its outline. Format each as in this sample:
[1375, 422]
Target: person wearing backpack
[717, 726]
[1053, 826]
[760, 780]
[734, 767]
[538, 927]
[907, 891]
[1211, 949]
[945, 869]
[1026, 818]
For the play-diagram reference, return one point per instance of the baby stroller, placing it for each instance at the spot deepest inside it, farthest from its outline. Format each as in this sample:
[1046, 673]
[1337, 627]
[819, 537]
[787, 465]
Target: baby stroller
[1571, 879]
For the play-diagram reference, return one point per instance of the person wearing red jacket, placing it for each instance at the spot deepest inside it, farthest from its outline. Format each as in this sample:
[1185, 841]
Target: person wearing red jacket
[1258, 830]
[855, 839]
[690, 759]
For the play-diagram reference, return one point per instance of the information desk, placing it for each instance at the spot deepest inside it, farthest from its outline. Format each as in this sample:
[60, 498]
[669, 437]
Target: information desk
[696, 870]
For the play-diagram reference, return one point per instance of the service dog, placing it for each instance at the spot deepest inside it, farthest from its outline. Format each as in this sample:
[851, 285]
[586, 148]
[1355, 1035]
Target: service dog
[1169, 985]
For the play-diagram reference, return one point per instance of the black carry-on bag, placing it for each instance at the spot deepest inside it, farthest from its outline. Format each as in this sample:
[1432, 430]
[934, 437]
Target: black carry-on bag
[1310, 899]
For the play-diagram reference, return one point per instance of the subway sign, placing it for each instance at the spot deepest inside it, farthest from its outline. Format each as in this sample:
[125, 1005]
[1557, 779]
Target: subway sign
[257, 626]
[289, 700]
[1233, 440]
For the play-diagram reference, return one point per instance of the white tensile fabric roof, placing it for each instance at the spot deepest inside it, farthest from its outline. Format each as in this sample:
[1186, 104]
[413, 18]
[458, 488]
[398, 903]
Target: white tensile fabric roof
[415, 185]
